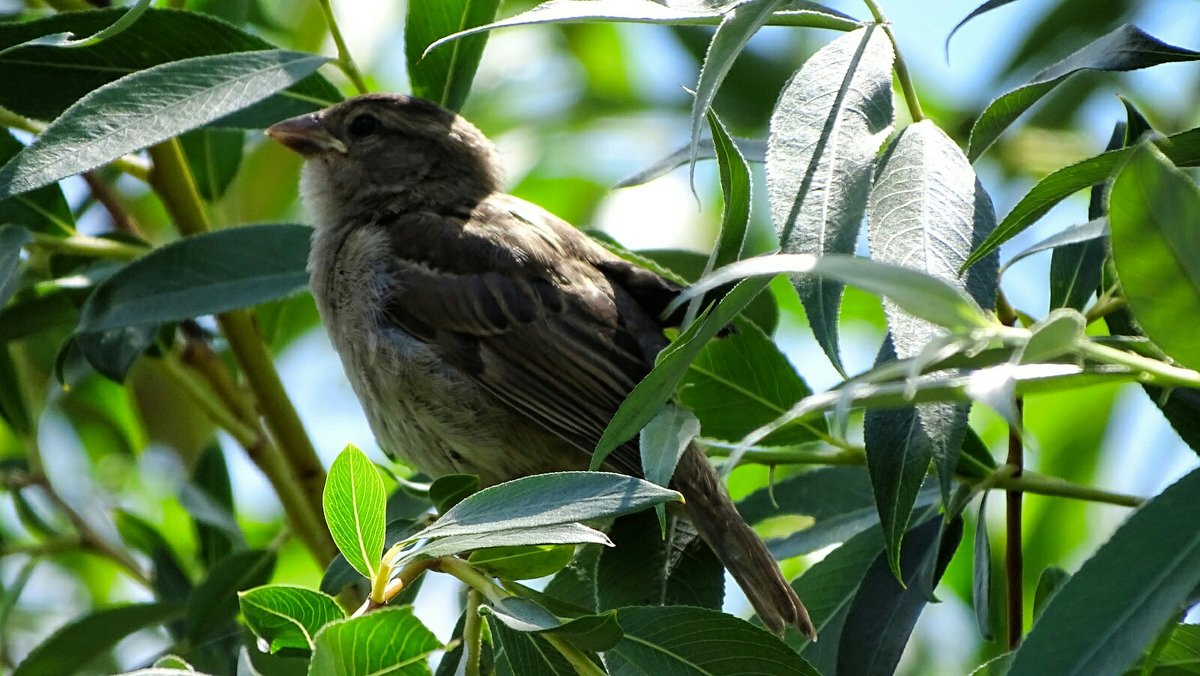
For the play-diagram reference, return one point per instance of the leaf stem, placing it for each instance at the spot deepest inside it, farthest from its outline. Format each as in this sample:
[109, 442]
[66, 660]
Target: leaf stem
[294, 464]
[94, 247]
[901, 67]
[473, 633]
[344, 61]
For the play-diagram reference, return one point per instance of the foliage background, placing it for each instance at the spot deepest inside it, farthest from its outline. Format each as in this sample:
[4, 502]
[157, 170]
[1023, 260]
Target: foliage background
[574, 110]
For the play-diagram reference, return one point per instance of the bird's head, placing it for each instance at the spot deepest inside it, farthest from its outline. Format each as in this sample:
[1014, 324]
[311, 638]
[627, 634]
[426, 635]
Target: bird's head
[390, 151]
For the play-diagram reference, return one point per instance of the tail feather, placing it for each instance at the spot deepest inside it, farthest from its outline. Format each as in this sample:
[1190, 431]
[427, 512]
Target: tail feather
[739, 548]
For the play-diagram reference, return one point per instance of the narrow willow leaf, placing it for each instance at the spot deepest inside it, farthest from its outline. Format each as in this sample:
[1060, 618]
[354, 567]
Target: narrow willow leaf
[740, 22]
[1183, 149]
[1051, 580]
[663, 441]
[43, 210]
[12, 239]
[68, 40]
[214, 605]
[1126, 48]
[982, 9]
[1093, 230]
[882, 616]
[286, 616]
[205, 274]
[838, 500]
[1154, 211]
[1103, 617]
[678, 640]
[736, 193]
[76, 644]
[159, 36]
[445, 75]
[927, 212]
[545, 500]
[148, 107]
[640, 11]
[549, 534]
[591, 632]
[753, 150]
[386, 641]
[214, 156]
[827, 127]
[981, 574]
[656, 388]
[354, 508]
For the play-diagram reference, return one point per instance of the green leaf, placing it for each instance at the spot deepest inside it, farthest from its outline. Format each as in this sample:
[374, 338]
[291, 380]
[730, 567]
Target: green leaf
[981, 574]
[678, 639]
[883, 613]
[42, 210]
[68, 40]
[919, 294]
[739, 23]
[548, 499]
[1053, 336]
[524, 653]
[170, 582]
[389, 640]
[286, 616]
[79, 642]
[839, 500]
[449, 490]
[1183, 149]
[13, 409]
[159, 36]
[214, 156]
[590, 633]
[445, 75]
[1180, 655]
[1051, 580]
[751, 150]
[647, 567]
[736, 193]
[1093, 230]
[640, 11]
[1115, 605]
[148, 107]
[339, 574]
[827, 127]
[12, 239]
[1126, 48]
[354, 509]
[208, 499]
[828, 589]
[214, 603]
[741, 382]
[981, 9]
[522, 562]
[647, 398]
[663, 441]
[204, 274]
[1154, 212]
[576, 584]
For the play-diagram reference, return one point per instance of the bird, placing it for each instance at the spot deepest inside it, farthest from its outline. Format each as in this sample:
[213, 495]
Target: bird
[481, 333]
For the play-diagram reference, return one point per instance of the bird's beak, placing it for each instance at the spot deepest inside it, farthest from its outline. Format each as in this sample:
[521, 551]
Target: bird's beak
[306, 135]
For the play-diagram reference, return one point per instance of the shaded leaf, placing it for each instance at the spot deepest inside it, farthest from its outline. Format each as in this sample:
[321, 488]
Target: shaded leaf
[589, 633]
[148, 107]
[981, 574]
[204, 274]
[449, 490]
[42, 210]
[214, 603]
[1121, 597]
[523, 653]
[445, 75]
[214, 156]
[78, 642]
[1126, 48]
[646, 567]
[12, 239]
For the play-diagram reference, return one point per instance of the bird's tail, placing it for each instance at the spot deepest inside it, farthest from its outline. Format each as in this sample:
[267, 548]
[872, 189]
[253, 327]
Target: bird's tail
[741, 551]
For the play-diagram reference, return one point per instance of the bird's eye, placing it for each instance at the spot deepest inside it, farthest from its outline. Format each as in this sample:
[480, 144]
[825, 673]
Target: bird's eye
[364, 125]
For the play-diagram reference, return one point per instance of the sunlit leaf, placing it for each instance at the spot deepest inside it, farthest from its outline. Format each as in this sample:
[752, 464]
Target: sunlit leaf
[354, 509]
[286, 616]
[386, 641]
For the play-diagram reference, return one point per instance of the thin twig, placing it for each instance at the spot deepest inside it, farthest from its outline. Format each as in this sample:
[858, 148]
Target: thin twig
[902, 75]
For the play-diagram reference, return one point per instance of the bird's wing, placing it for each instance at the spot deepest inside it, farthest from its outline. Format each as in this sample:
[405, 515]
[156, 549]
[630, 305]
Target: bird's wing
[522, 307]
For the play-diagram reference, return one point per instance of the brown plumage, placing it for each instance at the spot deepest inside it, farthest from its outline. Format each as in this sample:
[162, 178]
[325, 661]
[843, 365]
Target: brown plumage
[482, 333]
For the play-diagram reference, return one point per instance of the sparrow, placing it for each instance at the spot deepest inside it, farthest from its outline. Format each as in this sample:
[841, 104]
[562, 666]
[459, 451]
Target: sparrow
[481, 333]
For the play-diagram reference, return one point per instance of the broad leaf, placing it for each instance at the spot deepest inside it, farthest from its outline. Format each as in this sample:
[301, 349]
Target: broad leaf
[389, 640]
[204, 274]
[752, 150]
[548, 499]
[679, 639]
[525, 653]
[648, 567]
[354, 509]
[445, 75]
[286, 616]
[1116, 604]
[159, 36]
[1126, 48]
[1154, 215]
[523, 562]
[591, 632]
[827, 127]
[148, 107]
